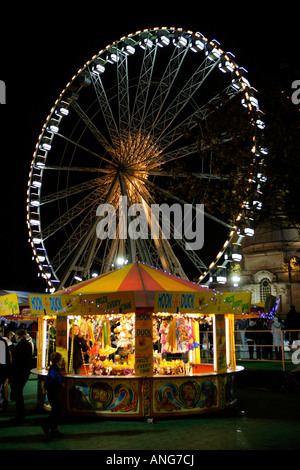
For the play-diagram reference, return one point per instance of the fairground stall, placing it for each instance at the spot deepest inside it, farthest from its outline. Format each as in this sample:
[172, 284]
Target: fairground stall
[158, 345]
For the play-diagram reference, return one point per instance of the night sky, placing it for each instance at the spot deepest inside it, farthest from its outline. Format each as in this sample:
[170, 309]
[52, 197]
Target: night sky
[41, 49]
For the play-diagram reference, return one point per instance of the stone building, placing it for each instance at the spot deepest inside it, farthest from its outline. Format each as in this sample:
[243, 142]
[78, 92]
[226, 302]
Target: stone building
[271, 264]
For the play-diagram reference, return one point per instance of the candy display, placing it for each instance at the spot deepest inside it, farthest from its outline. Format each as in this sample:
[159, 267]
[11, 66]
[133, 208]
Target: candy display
[170, 367]
[109, 367]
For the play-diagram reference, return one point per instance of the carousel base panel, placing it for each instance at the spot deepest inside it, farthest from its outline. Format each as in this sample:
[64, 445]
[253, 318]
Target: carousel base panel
[143, 397]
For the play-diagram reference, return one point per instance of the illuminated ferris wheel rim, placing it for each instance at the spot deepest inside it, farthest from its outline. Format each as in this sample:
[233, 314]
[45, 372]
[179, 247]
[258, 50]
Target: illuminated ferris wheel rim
[146, 39]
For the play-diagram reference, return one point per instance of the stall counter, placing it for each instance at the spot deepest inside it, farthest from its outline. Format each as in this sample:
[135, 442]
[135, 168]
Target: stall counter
[143, 397]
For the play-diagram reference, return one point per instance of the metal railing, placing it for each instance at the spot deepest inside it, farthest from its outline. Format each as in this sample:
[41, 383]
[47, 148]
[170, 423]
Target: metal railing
[263, 348]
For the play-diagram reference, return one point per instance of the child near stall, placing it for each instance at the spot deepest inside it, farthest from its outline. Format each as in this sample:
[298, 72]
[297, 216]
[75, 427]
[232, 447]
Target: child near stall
[53, 384]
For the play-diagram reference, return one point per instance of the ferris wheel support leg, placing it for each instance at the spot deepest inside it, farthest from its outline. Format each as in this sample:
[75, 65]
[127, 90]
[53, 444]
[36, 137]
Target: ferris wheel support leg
[132, 250]
[79, 252]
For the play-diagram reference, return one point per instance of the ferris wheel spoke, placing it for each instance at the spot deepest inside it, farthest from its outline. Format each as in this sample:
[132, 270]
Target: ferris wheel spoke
[160, 245]
[168, 258]
[209, 216]
[164, 87]
[206, 176]
[191, 149]
[84, 251]
[178, 153]
[123, 94]
[72, 213]
[182, 242]
[95, 239]
[143, 87]
[72, 242]
[105, 106]
[198, 115]
[85, 149]
[90, 125]
[82, 230]
[110, 248]
[181, 201]
[77, 169]
[65, 193]
[184, 96]
[77, 264]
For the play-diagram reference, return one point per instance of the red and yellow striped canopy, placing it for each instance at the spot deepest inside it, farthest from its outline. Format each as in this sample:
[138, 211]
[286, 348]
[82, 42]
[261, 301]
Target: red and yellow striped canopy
[134, 277]
[137, 277]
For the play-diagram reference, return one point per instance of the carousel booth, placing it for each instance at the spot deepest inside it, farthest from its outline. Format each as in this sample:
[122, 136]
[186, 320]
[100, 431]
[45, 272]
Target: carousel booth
[150, 344]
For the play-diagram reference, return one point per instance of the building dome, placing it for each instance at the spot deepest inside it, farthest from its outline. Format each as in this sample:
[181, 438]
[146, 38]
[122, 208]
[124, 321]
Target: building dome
[270, 236]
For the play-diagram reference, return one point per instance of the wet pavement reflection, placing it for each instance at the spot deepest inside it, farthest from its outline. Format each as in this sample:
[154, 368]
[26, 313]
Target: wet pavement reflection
[263, 420]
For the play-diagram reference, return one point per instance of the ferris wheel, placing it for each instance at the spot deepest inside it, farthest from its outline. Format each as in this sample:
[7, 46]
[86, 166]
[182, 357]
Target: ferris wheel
[120, 132]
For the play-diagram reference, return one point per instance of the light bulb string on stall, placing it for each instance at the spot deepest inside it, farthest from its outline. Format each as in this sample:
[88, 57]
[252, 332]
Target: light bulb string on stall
[72, 349]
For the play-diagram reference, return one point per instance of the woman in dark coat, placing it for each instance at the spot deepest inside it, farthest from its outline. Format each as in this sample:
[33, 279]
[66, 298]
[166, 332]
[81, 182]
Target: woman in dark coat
[78, 346]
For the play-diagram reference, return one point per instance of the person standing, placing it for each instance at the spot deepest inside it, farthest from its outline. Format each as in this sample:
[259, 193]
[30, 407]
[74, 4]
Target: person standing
[260, 338]
[77, 347]
[4, 372]
[250, 336]
[54, 384]
[21, 365]
[276, 332]
[7, 368]
[292, 323]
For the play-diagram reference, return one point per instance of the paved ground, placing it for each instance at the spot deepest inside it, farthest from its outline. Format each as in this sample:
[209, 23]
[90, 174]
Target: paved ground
[264, 420]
